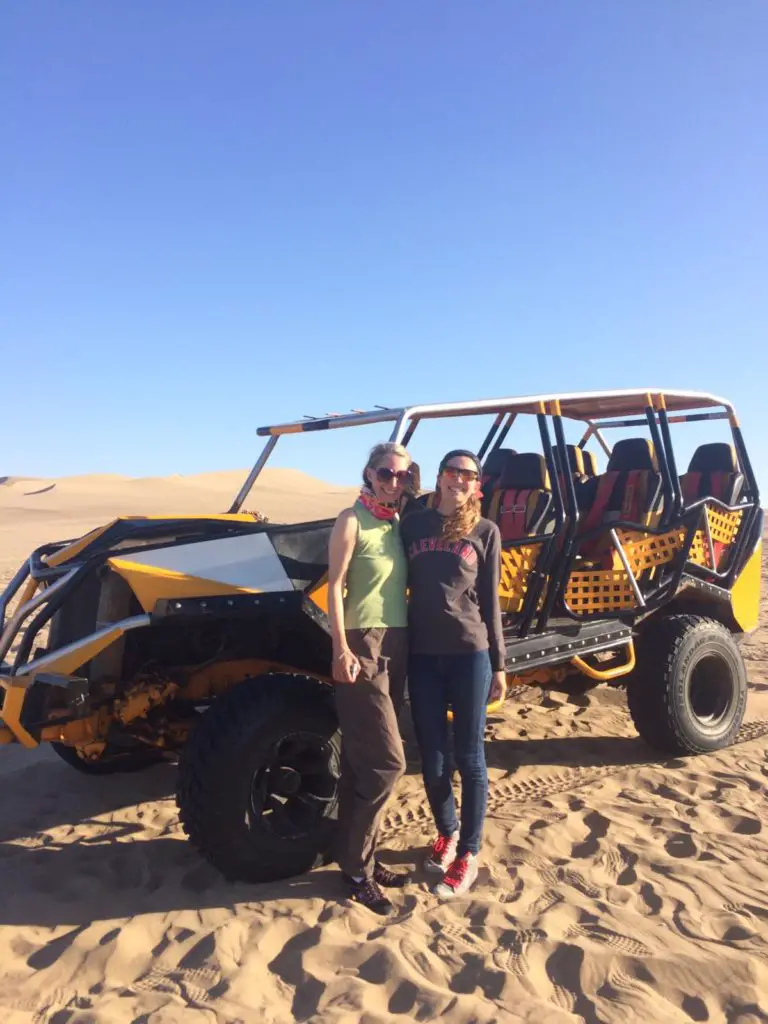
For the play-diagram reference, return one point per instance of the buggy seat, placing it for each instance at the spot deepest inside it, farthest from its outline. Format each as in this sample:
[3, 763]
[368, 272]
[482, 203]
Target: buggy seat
[713, 472]
[523, 499]
[630, 488]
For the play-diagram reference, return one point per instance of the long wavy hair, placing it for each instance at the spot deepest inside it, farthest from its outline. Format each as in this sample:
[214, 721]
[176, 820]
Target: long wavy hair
[465, 518]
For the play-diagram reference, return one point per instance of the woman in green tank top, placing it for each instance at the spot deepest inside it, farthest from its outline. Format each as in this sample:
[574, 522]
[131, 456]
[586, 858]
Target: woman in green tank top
[368, 626]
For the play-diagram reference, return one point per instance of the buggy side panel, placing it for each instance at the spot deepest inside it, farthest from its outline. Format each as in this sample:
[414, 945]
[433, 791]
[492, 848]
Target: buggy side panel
[745, 593]
[225, 565]
[266, 561]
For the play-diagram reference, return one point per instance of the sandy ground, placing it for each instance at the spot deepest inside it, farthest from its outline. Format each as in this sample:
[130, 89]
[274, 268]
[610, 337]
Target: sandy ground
[615, 887]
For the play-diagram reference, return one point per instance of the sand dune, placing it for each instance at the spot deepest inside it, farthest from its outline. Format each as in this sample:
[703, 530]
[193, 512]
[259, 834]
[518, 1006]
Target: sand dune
[34, 511]
[615, 886]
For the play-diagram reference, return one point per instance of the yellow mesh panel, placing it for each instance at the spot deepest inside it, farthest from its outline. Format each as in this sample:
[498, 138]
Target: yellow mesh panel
[699, 552]
[516, 566]
[723, 526]
[605, 590]
[645, 550]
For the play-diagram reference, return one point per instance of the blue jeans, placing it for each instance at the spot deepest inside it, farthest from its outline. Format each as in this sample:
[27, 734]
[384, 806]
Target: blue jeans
[461, 681]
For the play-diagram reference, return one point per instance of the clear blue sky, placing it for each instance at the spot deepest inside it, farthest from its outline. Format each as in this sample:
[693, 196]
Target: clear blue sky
[218, 215]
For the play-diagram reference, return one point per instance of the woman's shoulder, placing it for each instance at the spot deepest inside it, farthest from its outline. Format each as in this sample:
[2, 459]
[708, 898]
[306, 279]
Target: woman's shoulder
[487, 528]
[415, 516]
[346, 519]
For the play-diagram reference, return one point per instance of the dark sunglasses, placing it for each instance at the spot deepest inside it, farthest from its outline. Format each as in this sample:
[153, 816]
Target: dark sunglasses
[403, 476]
[453, 473]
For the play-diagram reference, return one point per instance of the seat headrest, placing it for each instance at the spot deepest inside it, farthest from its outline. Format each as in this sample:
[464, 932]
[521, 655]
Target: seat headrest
[496, 461]
[718, 457]
[590, 462]
[575, 459]
[633, 453]
[528, 471]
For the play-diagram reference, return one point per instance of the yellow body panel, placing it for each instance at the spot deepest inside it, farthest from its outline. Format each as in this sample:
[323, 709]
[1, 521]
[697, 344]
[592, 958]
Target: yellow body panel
[12, 704]
[151, 584]
[745, 594]
[319, 593]
[59, 557]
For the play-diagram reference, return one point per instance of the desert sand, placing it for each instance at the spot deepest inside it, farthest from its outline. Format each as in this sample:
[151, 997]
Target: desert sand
[615, 886]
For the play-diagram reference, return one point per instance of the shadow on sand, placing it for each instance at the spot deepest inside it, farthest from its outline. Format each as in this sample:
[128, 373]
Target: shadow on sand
[116, 872]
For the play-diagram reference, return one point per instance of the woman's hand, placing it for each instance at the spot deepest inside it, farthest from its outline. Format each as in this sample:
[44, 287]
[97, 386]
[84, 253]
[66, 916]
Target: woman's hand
[498, 687]
[346, 667]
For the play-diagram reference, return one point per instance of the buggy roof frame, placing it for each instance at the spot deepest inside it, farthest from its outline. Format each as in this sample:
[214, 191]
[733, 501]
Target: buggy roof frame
[590, 407]
[595, 409]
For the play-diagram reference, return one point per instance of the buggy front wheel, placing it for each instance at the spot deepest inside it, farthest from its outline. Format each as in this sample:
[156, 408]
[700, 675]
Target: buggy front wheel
[258, 779]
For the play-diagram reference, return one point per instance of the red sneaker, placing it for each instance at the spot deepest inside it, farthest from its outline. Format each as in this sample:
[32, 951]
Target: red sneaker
[441, 854]
[459, 877]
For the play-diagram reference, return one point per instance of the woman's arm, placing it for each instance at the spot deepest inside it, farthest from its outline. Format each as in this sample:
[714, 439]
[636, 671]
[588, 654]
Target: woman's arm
[340, 548]
[490, 610]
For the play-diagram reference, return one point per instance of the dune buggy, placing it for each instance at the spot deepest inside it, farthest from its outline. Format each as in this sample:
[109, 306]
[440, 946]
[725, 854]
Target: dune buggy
[205, 639]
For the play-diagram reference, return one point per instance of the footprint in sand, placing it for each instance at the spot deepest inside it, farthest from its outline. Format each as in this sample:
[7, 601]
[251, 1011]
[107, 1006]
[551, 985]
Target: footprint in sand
[563, 968]
[606, 936]
[747, 826]
[476, 974]
[545, 902]
[651, 899]
[717, 926]
[695, 1007]
[625, 986]
[628, 876]
[681, 845]
[598, 828]
[512, 947]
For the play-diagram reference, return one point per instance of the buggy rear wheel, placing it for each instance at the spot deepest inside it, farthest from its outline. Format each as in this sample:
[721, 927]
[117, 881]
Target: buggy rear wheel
[688, 693]
[258, 779]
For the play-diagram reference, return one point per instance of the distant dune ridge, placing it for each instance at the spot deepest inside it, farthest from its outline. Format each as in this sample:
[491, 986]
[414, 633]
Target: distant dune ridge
[615, 886]
[72, 505]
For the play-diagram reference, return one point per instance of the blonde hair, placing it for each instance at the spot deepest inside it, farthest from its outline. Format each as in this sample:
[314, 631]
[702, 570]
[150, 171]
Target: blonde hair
[463, 520]
[379, 452]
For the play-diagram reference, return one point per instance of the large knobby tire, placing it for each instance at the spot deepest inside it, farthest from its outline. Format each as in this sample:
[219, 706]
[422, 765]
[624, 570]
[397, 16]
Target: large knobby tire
[258, 779]
[113, 761]
[688, 693]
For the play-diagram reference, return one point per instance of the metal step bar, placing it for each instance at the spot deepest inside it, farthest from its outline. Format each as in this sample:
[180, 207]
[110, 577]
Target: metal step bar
[560, 645]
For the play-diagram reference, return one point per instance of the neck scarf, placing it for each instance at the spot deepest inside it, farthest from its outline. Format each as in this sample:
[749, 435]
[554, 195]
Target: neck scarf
[368, 500]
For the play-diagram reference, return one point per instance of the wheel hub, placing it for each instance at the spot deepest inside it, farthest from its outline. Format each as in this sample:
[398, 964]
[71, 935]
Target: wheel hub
[291, 792]
[286, 781]
[711, 690]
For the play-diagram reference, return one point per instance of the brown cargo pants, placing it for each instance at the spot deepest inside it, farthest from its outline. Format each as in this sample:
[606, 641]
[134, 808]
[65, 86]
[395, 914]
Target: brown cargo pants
[372, 755]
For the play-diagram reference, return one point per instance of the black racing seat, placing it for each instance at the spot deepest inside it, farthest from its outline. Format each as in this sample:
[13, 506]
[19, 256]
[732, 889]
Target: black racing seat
[495, 464]
[713, 472]
[629, 490]
[493, 467]
[521, 503]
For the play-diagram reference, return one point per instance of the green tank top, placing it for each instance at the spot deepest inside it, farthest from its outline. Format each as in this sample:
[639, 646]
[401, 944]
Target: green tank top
[377, 575]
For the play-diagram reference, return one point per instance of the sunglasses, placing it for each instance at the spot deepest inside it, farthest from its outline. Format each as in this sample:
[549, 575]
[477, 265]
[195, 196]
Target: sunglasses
[385, 476]
[463, 475]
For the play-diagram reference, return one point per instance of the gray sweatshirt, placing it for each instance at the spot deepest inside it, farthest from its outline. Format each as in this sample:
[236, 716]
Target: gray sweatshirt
[454, 604]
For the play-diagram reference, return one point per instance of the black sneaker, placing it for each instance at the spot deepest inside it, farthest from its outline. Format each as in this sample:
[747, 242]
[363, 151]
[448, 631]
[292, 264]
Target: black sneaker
[390, 879]
[367, 893]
